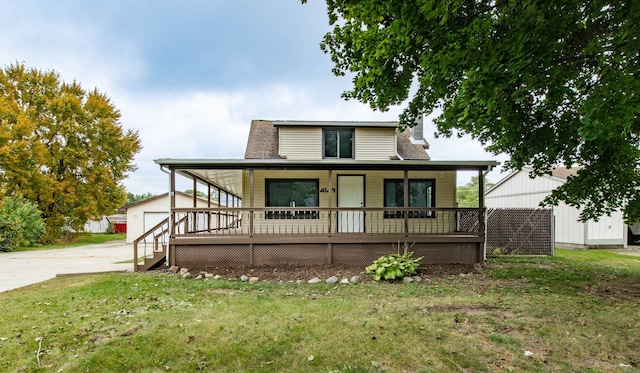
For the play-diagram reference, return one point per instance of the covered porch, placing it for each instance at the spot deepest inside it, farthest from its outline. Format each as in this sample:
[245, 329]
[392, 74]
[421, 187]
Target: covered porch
[248, 232]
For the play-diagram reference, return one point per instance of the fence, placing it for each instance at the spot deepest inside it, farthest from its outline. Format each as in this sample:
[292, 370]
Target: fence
[521, 231]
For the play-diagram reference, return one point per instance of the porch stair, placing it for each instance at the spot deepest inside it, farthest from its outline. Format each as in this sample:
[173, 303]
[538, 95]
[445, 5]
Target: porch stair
[158, 258]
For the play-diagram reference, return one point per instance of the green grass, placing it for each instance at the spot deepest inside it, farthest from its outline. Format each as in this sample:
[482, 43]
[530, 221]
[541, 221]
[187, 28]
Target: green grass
[79, 240]
[576, 312]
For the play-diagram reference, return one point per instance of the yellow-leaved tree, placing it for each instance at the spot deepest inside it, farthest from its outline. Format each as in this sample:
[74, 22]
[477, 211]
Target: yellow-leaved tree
[62, 148]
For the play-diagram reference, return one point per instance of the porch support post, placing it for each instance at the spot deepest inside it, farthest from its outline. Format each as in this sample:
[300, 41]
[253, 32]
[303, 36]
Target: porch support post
[195, 192]
[406, 201]
[481, 216]
[219, 205]
[330, 200]
[172, 217]
[209, 206]
[251, 201]
[329, 205]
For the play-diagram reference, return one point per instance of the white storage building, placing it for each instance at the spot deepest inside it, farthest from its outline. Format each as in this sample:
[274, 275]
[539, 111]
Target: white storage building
[518, 189]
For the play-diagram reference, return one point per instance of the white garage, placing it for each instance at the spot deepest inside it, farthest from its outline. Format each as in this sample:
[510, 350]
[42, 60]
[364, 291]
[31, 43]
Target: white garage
[519, 190]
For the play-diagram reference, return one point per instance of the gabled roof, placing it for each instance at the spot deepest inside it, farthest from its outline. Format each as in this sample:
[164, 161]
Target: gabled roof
[560, 172]
[164, 195]
[263, 138]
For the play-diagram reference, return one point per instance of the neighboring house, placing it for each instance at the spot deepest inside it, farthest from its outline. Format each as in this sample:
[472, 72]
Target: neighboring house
[519, 190]
[317, 193]
[144, 215]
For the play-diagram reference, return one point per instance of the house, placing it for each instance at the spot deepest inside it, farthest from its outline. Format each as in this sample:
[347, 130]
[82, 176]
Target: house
[518, 189]
[325, 193]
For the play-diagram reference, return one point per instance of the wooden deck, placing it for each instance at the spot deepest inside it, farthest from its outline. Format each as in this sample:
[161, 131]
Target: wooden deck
[246, 237]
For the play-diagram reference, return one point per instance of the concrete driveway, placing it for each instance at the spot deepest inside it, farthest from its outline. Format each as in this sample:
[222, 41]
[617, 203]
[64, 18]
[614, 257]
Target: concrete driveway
[18, 269]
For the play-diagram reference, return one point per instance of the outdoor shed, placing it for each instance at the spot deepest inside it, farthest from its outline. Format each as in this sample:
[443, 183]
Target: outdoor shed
[518, 189]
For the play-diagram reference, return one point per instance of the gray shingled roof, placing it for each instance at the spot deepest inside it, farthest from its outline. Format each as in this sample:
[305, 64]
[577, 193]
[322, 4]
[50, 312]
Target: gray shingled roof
[263, 143]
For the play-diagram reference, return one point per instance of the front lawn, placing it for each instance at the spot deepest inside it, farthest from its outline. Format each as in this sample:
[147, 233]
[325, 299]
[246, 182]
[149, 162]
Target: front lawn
[566, 313]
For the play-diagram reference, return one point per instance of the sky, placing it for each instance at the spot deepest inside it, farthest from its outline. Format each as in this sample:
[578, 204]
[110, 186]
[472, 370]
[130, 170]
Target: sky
[190, 76]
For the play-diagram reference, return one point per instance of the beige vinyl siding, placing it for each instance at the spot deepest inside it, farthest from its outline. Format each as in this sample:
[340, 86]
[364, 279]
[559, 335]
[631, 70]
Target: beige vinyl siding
[374, 197]
[375, 143]
[300, 142]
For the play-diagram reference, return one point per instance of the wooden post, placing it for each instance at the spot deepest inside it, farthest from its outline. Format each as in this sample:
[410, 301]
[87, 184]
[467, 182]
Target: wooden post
[406, 201]
[251, 201]
[330, 202]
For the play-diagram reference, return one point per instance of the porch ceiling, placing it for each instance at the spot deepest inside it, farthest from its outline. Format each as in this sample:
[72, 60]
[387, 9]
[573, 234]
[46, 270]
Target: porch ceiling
[227, 173]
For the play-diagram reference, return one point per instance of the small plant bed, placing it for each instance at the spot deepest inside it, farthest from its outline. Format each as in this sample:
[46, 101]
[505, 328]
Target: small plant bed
[295, 274]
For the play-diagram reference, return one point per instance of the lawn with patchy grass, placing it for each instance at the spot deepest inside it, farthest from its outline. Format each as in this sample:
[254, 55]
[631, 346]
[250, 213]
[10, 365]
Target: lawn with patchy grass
[80, 239]
[567, 313]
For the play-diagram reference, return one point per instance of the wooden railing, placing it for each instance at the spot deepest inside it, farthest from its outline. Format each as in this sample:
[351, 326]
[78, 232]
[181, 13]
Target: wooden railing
[153, 241]
[227, 221]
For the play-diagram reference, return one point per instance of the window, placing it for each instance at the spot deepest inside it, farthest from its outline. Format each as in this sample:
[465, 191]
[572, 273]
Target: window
[421, 194]
[292, 193]
[338, 143]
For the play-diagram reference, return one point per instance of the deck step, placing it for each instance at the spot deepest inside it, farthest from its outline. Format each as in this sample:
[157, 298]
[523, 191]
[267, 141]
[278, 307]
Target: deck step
[159, 258]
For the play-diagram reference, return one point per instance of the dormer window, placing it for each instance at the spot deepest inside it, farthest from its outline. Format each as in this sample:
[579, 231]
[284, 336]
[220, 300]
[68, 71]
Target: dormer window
[338, 142]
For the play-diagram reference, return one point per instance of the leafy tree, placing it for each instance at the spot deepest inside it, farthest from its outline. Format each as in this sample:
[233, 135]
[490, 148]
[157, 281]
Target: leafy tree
[61, 147]
[21, 223]
[135, 198]
[468, 193]
[546, 82]
[200, 193]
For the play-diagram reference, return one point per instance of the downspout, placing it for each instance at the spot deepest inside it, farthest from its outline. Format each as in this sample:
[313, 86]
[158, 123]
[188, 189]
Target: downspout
[170, 215]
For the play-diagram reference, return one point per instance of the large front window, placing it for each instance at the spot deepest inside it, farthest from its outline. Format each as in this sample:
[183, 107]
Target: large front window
[421, 194]
[292, 193]
[338, 143]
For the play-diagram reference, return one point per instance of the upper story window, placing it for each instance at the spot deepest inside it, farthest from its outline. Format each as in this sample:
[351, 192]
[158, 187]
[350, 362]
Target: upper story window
[338, 142]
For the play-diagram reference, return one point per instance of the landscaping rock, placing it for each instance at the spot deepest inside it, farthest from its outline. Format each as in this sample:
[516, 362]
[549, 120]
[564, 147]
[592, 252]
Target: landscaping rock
[355, 279]
[314, 280]
[332, 280]
[477, 267]
[417, 278]
[199, 277]
[344, 281]
[407, 280]
[184, 270]
[254, 279]
[174, 269]
[244, 278]
[186, 275]
[217, 277]
[208, 275]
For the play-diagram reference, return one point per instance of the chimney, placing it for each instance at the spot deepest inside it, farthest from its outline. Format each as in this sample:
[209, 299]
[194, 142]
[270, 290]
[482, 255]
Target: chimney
[417, 132]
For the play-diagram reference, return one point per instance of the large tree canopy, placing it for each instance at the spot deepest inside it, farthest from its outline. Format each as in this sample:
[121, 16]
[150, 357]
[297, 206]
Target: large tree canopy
[61, 147]
[546, 82]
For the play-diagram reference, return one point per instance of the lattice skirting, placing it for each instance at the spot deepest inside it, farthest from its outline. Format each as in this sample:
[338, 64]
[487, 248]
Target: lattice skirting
[362, 254]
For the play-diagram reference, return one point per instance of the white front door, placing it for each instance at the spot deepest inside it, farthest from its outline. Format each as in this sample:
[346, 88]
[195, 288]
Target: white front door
[350, 194]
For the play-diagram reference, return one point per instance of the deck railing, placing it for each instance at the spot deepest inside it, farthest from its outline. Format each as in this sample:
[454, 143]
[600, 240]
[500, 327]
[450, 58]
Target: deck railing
[227, 221]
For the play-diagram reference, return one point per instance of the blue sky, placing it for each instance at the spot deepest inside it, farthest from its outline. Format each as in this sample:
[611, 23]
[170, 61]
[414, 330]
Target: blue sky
[190, 75]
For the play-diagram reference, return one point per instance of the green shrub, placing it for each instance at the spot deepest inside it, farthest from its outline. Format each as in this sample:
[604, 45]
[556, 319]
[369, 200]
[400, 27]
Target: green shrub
[9, 234]
[393, 266]
[21, 223]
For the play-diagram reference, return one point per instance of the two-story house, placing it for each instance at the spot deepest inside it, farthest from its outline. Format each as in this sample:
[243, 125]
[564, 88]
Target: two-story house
[316, 192]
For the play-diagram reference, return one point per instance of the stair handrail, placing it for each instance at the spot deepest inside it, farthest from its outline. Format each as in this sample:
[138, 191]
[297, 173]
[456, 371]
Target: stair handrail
[156, 237]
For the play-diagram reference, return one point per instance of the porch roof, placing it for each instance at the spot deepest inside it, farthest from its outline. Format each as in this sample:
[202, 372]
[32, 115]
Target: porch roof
[227, 173]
